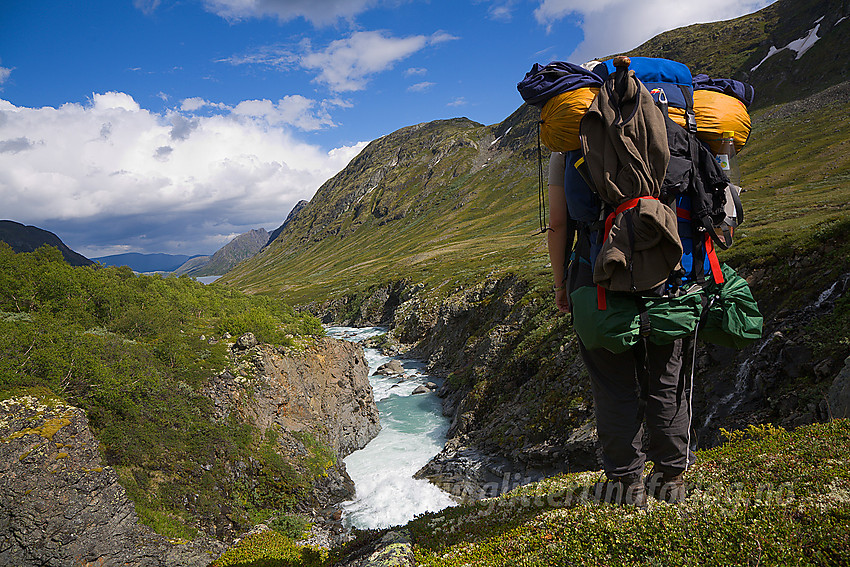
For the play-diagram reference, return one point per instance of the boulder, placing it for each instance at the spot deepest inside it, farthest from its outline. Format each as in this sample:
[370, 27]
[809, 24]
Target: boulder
[59, 505]
[421, 389]
[839, 393]
[246, 341]
[389, 368]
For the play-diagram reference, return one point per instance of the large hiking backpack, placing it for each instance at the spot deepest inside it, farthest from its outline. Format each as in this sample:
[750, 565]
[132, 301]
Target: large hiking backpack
[563, 91]
[692, 186]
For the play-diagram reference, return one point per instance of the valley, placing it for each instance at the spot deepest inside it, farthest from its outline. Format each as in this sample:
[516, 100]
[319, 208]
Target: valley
[221, 410]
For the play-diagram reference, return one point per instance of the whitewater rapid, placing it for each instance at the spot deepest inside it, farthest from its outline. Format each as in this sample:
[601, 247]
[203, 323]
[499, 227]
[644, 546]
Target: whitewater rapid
[413, 430]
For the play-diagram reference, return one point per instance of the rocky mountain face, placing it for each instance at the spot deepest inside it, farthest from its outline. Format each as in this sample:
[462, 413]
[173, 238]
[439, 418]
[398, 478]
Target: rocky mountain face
[321, 393]
[24, 238]
[242, 247]
[299, 206]
[766, 48]
[61, 505]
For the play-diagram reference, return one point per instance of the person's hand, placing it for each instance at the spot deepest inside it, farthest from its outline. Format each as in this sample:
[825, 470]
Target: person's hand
[562, 300]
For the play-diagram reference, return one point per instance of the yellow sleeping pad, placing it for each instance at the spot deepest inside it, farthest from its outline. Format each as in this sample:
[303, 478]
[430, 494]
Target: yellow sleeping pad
[561, 116]
[717, 113]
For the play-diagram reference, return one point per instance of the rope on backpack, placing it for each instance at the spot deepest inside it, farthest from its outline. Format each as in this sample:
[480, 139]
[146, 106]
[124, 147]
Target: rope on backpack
[541, 190]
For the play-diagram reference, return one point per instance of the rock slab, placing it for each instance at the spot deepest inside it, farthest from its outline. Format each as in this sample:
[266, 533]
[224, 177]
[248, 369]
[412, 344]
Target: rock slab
[59, 506]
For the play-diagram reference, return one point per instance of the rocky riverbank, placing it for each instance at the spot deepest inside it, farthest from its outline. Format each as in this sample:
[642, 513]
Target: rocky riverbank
[519, 399]
[61, 504]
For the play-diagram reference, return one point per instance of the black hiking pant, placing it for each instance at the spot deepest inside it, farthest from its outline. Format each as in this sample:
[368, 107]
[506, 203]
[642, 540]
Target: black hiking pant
[645, 383]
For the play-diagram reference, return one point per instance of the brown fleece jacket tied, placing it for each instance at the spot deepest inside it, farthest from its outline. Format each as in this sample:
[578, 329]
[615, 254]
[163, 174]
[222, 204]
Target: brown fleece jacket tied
[624, 140]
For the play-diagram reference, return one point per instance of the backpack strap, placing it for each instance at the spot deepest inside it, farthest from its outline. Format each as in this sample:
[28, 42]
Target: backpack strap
[690, 115]
[712, 259]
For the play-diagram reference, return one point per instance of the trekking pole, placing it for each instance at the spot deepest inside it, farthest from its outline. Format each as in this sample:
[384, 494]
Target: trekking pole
[621, 64]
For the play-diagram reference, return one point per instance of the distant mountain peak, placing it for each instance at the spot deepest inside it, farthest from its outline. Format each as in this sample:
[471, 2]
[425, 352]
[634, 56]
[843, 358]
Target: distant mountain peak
[240, 248]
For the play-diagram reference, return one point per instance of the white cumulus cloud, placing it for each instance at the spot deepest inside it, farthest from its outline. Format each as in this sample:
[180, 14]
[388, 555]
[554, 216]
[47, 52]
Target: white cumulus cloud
[296, 110]
[420, 87]
[346, 64]
[111, 173]
[614, 26]
[318, 12]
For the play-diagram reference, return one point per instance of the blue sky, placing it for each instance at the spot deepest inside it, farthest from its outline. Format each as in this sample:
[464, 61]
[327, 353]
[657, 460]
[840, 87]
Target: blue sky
[174, 125]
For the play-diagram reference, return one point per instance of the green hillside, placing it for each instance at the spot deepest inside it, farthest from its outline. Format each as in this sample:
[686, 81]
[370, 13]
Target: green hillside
[438, 202]
[453, 202]
[136, 352]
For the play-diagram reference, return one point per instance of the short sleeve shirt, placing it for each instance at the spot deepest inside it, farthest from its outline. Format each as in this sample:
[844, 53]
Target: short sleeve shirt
[557, 168]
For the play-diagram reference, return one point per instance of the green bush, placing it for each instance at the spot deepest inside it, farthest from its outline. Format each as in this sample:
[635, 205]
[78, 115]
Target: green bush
[128, 350]
[290, 526]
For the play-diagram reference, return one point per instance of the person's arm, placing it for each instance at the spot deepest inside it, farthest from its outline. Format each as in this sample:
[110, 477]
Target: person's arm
[557, 241]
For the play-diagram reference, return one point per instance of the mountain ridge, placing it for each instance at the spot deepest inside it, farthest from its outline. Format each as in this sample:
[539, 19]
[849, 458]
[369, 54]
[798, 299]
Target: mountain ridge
[23, 238]
[239, 248]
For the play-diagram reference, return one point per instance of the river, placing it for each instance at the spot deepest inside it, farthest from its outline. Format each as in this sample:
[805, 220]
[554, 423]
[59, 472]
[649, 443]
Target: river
[413, 430]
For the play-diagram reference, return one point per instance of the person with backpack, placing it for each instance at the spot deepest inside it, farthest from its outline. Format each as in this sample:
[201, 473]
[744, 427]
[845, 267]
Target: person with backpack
[640, 397]
[637, 202]
[644, 382]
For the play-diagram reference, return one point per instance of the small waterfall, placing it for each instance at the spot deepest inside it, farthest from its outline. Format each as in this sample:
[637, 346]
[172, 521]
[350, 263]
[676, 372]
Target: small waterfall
[731, 401]
[826, 295]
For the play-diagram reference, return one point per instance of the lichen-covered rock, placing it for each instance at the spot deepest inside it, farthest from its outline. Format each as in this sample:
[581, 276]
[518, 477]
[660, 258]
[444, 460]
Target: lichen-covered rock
[324, 386]
[839, 393]
[392, 550]
[59, 506]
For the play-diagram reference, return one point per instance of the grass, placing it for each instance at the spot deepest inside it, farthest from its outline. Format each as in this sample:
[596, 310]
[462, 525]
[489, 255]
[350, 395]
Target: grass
[769, 497]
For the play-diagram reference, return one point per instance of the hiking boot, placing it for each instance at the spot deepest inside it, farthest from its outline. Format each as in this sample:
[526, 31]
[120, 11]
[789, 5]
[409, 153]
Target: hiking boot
[624, 490]
[666, 485]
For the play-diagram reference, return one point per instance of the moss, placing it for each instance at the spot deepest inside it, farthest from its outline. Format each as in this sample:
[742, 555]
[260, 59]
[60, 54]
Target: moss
[767, 496]
[270, 549]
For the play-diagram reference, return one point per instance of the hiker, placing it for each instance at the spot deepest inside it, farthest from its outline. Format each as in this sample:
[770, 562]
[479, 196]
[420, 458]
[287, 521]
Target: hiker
[644, 382]
[637, 204]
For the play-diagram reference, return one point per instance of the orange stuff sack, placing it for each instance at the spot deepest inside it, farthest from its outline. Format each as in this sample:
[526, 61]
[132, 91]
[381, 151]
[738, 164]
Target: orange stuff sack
[717, 113]
[677, 115]
[561, 116]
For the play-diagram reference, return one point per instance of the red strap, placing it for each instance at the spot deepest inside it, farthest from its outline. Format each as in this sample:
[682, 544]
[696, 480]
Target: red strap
[601, 302]
[624, 206]
[683, 214]
[712, 259]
